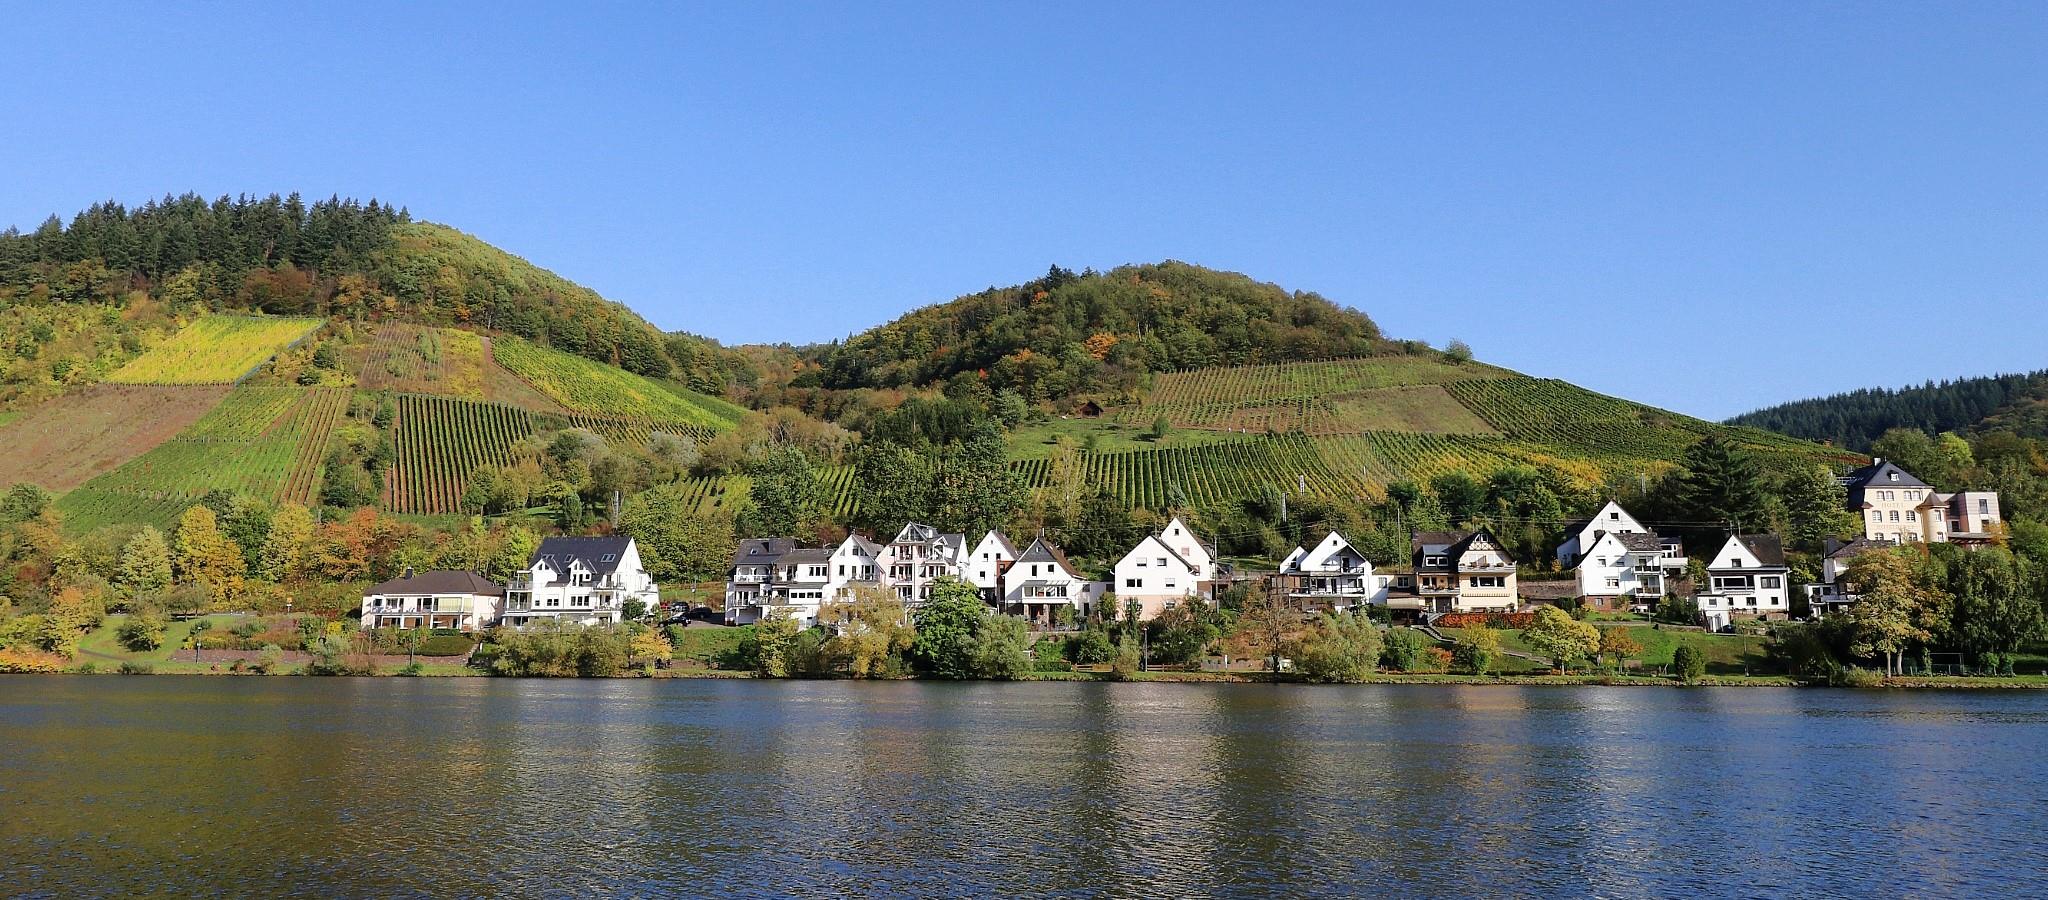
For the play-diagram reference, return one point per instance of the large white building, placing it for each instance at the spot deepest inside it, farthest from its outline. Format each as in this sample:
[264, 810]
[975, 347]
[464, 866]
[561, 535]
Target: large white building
[584, 580]
[1334, 575]
[1747, 578]
[1617, 560]
[918, 557]
[985, 563]
[443, 599]
[1895, 506]
[1165, 569]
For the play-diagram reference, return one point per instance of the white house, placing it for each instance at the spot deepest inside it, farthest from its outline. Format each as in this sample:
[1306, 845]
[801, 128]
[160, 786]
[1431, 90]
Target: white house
[1746, 579]
[855, 561]
[1830, 595]
[442, 599]
[1580, 536]
[1040, 581]
[1629, 565]
[1333, 575]
[919, 556]
[586, 580]
[1165, 569]
[748, 580]
[985, 564]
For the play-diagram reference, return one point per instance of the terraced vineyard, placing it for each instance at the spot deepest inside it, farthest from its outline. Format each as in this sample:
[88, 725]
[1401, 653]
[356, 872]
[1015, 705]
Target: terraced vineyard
[586, 387]
[1314, 397]
[267, 442]
[214, 350]
[414, 359]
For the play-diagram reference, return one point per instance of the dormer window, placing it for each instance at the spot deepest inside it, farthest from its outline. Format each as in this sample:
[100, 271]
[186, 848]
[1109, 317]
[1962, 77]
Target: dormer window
[1895, 476]
[609, 557]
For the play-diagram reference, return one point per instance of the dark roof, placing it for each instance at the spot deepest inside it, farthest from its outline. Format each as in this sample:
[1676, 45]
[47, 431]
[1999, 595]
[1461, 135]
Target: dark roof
[761, 551]
[561, 552]
[1769, 550]
[1444, 538]
[1879, 473]
[1639, 541]
[806, 555]
[1860, 546]
[1577, 525]
[1004, 540]
[441, 582]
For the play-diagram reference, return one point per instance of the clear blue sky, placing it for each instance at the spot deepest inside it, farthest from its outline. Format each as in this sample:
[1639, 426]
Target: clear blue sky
[1706, 206]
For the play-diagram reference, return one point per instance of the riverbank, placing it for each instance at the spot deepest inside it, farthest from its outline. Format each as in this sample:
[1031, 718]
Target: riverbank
[443, 669]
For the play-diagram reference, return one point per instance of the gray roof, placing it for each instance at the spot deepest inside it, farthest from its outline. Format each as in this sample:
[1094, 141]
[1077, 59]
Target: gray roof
[761, 551]
[1042, 551]
[561, 552]
[1860, 546]
[916, 533]
[806, 555]
[440, 582]
[1769, 550]
[1004, 540]
[1879, 474]
[1640, 542]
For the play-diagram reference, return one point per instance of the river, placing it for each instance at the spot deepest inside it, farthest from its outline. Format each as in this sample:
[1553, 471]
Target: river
[465, 787]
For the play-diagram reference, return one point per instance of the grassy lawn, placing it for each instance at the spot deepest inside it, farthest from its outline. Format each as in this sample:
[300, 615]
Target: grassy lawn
[1727, 654]
[102, 647]
[704, 646]
[1036, 441]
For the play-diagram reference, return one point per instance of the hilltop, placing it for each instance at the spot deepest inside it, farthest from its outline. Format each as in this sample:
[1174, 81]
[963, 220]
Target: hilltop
[2017, 403]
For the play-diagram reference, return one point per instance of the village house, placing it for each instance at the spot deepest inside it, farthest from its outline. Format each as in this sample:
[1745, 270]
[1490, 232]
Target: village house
[920, 556]
[582, 580]
[1616, 561]
[856, 561]
[1040, 581]
[1456, 572]
[1898, 507]
[1332, 576]
[985, 564]
[440, 599]
[1745, 579]
[748, 579]
[1830, 595]
[1166, 568]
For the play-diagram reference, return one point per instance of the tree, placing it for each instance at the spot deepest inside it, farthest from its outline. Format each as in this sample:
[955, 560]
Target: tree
[1618, 646]
[999, 649]
[283, 558]
[1817, 507]
[1690, 662]
[948, 630]
[23, 502]
[1342, 649]
[647, 645]
[1406, 649]
[1461, 496]
[1562, 638]
[1458, 352]
[142, 631]
[1995, 612]
[976, 489]
[1887, 618]
[1268, 625]
[786, 495]
[203, 556]
[678, 540]
[1720, 484]
[768, 648]
[1161, 427]
[874, 633]
[145, 563]
[896, 486]
[1476, 649]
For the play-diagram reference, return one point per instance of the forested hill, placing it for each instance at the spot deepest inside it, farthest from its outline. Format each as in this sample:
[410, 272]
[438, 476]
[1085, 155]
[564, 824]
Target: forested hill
[334, 257]
[2017, 403]
[1069, 333]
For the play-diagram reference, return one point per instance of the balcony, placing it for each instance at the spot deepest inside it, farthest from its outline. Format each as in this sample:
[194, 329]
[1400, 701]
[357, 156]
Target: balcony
[1486, 567]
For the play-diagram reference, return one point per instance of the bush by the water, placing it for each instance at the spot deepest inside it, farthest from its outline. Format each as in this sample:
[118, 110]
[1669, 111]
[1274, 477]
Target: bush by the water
[564, 651]
[142, 632]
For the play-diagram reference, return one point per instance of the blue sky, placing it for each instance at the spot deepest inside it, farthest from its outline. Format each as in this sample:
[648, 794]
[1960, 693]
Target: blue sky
[1708, 207]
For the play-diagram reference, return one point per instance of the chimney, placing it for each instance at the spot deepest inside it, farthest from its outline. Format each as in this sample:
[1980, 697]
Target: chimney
[408, 573]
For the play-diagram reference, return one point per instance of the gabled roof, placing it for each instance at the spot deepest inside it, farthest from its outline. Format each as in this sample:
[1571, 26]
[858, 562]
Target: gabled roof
[1767, 548]
[916, 533]
[1639, 541]
[561, 552]
[761, 551]
[805, 555]
[1860, 546]
[1166, 548]
[1042, 551]
[441, 582]
[1421, 539]
[863, 543]
[1002, 540]
[1879, 474]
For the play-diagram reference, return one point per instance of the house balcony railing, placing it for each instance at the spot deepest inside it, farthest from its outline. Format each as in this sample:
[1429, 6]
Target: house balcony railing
[1487, 567]
[1725, 589]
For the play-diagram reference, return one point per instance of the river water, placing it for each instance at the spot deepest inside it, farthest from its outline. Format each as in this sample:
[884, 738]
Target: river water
[465, 787]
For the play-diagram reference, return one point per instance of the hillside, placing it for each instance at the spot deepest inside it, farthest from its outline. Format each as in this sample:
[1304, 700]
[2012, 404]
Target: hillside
[343, 355]
[2016, 403]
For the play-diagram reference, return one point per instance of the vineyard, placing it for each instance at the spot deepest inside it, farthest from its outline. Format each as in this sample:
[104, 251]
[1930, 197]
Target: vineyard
[1338, 396]
[65, 441]
[586, 387]
[439, 442]
[267, 442]
[214, 350]
[419, 360]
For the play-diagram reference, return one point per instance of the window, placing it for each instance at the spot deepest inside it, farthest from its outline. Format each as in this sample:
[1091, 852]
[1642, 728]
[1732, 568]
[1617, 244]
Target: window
[1614, 582]
[1770, 581]
[1895, 515]
[1433, 560]
[1984, 506]
[609, 557]
[1614, 516]
[1134, 582]
[1161, 561]
[1600, 561]
[1912, 516]
[1895, 476]
[1876, 516]
[1170, 585]
[1712, 601]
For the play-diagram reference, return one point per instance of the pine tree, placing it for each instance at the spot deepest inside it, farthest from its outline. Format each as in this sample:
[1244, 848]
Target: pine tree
[1816, 506]
[1723, 486]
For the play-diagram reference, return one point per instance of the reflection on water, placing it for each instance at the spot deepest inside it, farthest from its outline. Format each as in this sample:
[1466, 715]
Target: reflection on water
[478, 786]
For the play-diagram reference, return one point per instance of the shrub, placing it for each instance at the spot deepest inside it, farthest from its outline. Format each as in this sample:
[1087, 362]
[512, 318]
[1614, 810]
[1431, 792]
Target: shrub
[1051, 665]
[1859, 677]
[1091, 647]
[412, 669]
[87, 668]
[1340, 649]
[1405, 649]
[24, 661]
[271, 658]
[136, 668]
[446, 645]
[142, 631]
[1690, 662]
[1490, 620]
[1476, 650]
